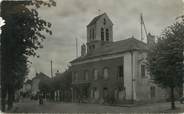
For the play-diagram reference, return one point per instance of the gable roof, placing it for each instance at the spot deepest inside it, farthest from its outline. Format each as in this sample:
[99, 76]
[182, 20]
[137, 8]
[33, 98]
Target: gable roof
[94, 20]
[114, 48]
[41, 76]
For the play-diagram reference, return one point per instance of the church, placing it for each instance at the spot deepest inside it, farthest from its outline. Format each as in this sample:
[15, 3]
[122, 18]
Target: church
[112, 71]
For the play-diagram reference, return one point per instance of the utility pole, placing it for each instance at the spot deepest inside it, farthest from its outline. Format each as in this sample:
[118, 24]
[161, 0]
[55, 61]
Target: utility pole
[143, 25]
[76, 47]
[132, 73]
[51, 69]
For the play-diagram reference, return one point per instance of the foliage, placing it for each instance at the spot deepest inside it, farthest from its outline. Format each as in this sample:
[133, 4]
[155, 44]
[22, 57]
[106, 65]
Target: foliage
[21, 37]
[166, 58]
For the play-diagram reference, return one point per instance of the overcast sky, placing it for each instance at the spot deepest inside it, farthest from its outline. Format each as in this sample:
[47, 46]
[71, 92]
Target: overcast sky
[70, 17]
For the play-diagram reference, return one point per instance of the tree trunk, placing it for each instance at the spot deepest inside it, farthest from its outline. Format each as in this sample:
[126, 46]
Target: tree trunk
[3, 97]
[172, 98]
[4, 79]
[10, 97]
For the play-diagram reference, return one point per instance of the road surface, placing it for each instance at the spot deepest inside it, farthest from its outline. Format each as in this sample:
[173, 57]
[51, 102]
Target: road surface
[53, 107]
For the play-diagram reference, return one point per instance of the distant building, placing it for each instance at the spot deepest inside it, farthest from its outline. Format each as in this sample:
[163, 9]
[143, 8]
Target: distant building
[111, 71]
[62, 86]
[35, 82]
[27, 87]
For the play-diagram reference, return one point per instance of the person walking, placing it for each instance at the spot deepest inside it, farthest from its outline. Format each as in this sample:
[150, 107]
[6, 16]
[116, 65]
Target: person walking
[40, 97]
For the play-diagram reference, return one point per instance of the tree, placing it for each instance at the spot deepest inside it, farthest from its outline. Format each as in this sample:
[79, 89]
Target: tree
[21, 37]
[166, 59]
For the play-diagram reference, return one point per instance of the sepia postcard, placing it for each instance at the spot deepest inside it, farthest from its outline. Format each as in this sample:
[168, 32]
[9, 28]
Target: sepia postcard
[92, 56]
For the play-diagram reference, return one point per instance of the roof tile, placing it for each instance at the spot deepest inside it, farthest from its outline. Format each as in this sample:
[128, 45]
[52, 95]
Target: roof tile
[114, 48]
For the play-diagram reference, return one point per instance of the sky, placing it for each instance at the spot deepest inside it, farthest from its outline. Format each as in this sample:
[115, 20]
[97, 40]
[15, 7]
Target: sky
[70, 17]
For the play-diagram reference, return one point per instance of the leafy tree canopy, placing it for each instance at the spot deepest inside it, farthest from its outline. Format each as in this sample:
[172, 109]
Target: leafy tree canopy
[22, 35]
[166, 57]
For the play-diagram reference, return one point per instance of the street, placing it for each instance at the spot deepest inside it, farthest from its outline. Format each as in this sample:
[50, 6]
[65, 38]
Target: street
[27, 106]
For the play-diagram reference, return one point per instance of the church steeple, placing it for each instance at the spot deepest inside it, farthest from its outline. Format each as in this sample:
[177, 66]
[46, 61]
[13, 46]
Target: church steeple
[99, 32]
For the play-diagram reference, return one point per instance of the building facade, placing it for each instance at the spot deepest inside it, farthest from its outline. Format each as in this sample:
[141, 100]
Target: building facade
[27, 87]
[35, 82]
[112, 72]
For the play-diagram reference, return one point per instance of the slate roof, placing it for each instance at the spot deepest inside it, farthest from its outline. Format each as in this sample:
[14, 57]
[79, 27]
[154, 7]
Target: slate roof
[114, 48]
[94, 20]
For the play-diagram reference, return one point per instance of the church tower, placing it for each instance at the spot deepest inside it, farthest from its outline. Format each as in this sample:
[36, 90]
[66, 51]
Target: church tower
[99, 32]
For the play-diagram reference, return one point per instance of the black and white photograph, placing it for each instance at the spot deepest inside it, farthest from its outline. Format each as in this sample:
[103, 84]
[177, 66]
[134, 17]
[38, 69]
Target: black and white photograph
[92, 56]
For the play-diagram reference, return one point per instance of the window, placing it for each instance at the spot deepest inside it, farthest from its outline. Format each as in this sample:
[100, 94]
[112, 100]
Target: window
[107, 34]
[143, 71]
[116, 93]
[102, 34]
[90, 47]
[86, 75]
[95, 73]
[153, 91]
[93, 46]
[90, 35]
[105, 93]
[93, 91]
[93, 33]
[105, 73]
[121, 94]
[121, 72]
[104, 21]
[85, 92]
[75, 77]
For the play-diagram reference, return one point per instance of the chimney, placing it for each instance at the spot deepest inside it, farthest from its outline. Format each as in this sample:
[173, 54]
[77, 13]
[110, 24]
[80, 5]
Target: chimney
[37, 74]
[57, 73]
[150, 39]
[83, 50]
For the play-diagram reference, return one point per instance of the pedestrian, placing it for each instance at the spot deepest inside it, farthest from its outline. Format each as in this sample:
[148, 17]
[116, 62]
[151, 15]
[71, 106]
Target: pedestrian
[40, 99]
